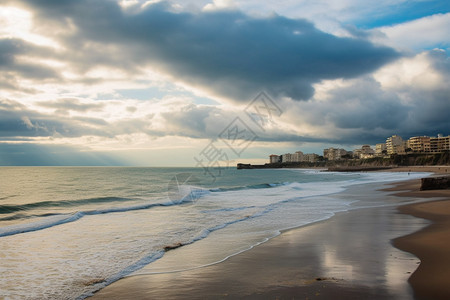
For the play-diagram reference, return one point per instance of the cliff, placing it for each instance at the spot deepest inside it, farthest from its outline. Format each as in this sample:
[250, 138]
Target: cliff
[411, 159]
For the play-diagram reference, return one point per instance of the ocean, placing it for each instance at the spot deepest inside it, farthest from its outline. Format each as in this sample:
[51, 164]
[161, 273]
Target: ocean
[67, 232]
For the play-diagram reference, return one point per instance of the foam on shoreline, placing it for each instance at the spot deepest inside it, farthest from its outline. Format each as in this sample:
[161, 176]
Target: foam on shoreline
[289, 264]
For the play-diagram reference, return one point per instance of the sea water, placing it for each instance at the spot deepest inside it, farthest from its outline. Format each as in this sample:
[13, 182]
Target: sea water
[66, 232]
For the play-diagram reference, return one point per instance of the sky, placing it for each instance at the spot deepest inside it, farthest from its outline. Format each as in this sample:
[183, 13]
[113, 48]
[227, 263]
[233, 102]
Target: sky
[213, 83]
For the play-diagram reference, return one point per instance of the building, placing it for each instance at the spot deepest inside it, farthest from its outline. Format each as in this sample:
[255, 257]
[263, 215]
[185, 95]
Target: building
[310, 157]
[366, 149]
[333, 153]
[395, 145]
[380, 149]
[440, 143]
[287, 158]
[274, 159]
[365, 152]
[419, 144]
[298, 156]
[357, 153]
[293, 157]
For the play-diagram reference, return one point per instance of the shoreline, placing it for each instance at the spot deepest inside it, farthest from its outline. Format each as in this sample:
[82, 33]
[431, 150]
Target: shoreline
[432, 247]
[430, 244]
[438, 170]
[219, 280]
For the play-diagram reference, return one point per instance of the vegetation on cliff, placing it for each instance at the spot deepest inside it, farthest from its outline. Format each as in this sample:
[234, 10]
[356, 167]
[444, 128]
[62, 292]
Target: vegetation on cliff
[410, 159]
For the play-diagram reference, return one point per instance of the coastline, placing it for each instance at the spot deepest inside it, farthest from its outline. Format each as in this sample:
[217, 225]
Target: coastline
[434, 169]
[307, 261]
[430, 244]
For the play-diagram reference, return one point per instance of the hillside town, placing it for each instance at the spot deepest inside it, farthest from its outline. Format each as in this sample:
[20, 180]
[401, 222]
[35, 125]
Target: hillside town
[394, 145]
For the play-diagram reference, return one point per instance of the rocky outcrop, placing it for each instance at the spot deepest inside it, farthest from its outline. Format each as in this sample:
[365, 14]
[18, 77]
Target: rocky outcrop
[435, 183]
[250, 166]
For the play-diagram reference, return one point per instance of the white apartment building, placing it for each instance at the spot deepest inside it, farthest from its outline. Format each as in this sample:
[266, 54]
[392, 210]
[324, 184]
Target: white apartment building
[419, 144]
[274, 158]
[395, 145]
[333, 153]
[440, 143]
[379, 149]
[365, 152]
[298, 156]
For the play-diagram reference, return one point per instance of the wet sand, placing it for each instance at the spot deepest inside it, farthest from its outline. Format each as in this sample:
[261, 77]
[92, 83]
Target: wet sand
[349, 256]
[433, 169]
[431, 244]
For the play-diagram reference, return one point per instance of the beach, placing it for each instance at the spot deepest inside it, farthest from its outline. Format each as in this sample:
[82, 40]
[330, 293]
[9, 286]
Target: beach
[431, 244]
[433, 169]
[273, 233]
[350, 256]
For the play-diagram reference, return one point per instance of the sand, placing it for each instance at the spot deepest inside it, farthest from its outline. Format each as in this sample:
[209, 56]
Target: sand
[432, 246]
[432, 169]
[346, 257]
[350, 256]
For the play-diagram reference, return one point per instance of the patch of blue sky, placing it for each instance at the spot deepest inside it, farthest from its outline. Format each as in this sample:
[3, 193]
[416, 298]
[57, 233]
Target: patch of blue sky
[157, 93]
[142, 94]
[445, 45]
[402, 12]
[205, 101]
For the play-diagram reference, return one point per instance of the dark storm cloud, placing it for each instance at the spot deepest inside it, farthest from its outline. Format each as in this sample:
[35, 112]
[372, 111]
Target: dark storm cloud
[193, 121]
[364, 105]
[208, 122]
[364, 112]
[11, 48]
[225, 52]
[18, 121]
[429, 105]
[433, 104]
[230, 54]
[431, 113]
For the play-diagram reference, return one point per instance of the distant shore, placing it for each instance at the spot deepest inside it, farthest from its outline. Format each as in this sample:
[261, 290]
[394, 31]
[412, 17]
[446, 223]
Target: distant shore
[392, 161]
[438, 169]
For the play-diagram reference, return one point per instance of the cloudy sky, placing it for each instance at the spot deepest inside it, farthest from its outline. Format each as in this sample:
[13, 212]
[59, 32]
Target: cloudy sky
[193, 82]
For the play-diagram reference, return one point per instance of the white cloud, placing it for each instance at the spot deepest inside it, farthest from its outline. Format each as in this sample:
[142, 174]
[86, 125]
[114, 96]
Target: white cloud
[220, 5]
[27, 122]
[418, 71]
[101, 79]
[407, 97]
[425, 33]
[125, 4]
[17, 23]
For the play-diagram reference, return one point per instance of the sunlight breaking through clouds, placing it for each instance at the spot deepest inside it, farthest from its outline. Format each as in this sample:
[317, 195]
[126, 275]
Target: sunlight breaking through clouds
[139, 74]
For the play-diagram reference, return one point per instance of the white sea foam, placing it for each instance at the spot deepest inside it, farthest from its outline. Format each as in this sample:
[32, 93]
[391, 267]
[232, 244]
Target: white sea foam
[43, 223]
[94, 246]
[190, 194]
